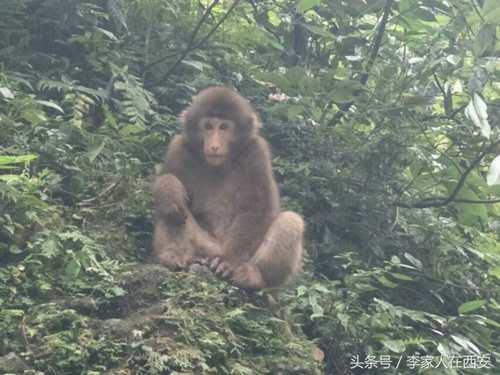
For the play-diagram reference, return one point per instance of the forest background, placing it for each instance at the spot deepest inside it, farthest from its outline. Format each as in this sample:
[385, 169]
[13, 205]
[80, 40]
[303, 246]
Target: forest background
[383, 119]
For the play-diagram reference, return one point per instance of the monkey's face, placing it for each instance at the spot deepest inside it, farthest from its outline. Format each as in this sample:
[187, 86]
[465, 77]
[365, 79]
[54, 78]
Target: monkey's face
[217, 134]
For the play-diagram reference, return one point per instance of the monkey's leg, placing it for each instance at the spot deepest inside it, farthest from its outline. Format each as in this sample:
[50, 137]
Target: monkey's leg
[171, 246]
[170, 199]
[278, 258]
[178, 245]
[178, 238]
[205, 245]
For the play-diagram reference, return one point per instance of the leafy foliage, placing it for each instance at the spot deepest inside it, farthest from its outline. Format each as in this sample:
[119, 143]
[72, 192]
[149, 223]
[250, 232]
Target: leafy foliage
[383, 117]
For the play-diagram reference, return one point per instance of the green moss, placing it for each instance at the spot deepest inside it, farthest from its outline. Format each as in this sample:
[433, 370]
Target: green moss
[166, 322]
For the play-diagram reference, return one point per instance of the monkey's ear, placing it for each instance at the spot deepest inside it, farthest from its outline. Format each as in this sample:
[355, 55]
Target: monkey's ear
[256, 121]
[182, 117]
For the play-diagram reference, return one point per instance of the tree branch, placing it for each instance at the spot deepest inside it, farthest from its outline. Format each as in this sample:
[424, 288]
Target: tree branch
[452, 198]
[374, 49]
[192, 45]
[191, 38]
[214, 29]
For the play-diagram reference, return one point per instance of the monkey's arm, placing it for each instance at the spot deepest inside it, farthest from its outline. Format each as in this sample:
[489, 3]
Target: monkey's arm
[169, 193]
[256, 203]
[179, 239]
[170, 199]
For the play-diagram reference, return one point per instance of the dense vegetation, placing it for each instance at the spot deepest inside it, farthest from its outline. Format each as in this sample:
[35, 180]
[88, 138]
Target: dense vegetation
[383, 118]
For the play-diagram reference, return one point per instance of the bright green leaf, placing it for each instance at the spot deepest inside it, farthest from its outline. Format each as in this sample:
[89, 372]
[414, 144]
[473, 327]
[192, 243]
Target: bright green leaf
[401, 276]
[6, 93]
[48, 104]
[396, 346]
[107, 33]
[194, 64]
[470, 306]
[6, 160]
[493, 177]
[491, 11]
[95, 151]
[305, 5]
[386, 282]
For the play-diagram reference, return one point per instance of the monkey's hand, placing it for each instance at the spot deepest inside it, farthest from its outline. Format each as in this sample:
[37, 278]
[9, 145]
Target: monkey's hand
[220, 267]
[247, 276]
[175, 261]
[200, 268]
[173, 213]
[170, 199]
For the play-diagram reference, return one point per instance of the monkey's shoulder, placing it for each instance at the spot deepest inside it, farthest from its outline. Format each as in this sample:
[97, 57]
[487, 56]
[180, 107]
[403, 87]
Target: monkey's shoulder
[179, 155]
[257, 153]
[176, 146]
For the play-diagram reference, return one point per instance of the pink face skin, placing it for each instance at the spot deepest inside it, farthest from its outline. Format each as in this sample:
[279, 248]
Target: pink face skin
[217, 134]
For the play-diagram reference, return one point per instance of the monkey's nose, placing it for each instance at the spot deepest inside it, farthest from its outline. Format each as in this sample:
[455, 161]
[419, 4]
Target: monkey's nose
[215, 148]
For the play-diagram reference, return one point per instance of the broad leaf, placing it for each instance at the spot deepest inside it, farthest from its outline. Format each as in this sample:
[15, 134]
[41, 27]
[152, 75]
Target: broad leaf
[476, 111]
[491, 11]
[471, 306]
[6, 93]
[493, 177]
[396, 346]
[305, 5]
[48, 104]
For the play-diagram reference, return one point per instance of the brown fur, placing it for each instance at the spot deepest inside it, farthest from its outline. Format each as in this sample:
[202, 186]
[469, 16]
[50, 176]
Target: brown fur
[226, 211]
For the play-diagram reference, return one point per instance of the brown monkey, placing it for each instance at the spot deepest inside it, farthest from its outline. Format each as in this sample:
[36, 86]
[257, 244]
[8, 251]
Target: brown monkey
[219, 200]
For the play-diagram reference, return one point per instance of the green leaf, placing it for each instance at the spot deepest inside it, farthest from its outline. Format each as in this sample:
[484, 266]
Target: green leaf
[425, 15]
[10, 177]
[293, 111]
[318, 30]
[344, 90]
[50, 248]
[117, 291]
[5, 161]
[48, 104]
[470, 306]
[386, 282]
[320, 288]
[6, 93]
[401, 276]
[414, 261]
[491, 11]
[194, 64]
[315, 306]
[301, 291]
[107, 33]
[72, 269]
[277, 79]
[493, 177]
[472, 214]
[465, 343]
[305, 5]
[492, 323]
[396, 346]
[131, 129]
[476, 111]
[95, 151]
[485, 39]
[495, 271]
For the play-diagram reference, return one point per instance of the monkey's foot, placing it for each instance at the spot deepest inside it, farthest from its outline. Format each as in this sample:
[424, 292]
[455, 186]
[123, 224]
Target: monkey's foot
[220, 268]
[247, 276]
[175, 261]
[200, 269]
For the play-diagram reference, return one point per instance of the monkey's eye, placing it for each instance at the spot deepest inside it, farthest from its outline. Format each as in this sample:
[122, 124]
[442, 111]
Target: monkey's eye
[208, 126]
[224, 126]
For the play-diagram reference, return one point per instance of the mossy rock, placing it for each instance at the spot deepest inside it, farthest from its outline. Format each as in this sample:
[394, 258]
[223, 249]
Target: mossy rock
[166, 322]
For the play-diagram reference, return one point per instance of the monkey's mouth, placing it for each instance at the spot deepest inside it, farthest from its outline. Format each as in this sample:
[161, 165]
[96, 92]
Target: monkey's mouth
[215, 159]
